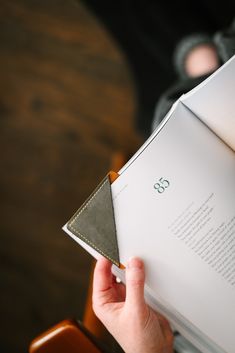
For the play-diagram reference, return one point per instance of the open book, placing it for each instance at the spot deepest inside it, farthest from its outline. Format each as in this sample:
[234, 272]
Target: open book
[173, 205]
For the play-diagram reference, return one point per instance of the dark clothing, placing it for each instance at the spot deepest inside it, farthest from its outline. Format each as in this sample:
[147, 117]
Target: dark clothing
[224, 41]
[148, 32]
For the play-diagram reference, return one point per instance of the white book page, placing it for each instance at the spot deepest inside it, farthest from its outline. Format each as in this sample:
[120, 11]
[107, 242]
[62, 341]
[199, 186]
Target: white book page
[178, 323]
[213, 101]
[185, 234]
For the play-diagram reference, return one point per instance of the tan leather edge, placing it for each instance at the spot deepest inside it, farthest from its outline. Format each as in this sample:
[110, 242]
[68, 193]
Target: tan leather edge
[51, 332]
[113, 176]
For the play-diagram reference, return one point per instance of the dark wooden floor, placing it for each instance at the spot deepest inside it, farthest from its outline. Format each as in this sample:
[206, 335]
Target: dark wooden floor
[66, 105]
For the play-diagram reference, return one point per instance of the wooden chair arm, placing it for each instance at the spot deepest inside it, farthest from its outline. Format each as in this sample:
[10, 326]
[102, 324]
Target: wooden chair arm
[67, 336]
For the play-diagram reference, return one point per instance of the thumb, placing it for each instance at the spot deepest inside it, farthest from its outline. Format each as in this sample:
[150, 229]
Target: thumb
[135, 277]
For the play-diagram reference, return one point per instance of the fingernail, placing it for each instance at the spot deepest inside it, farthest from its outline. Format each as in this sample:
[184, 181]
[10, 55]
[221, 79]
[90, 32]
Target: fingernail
[135, 262]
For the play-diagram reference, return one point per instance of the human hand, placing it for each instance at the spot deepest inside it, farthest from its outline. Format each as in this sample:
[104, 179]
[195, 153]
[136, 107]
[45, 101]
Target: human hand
[123, 310]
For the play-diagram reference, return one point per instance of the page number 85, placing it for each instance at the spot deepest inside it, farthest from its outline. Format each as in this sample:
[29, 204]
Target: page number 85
[161, 185]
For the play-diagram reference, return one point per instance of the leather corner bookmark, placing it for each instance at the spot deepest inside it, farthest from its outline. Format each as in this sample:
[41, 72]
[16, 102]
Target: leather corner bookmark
[94, 222]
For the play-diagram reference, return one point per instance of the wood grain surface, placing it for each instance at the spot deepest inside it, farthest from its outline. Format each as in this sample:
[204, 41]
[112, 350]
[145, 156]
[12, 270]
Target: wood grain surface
[67, 105]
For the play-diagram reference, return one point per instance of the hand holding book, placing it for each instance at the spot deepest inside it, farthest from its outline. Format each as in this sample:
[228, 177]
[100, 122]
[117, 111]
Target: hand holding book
[172, 205]
[124, 312]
